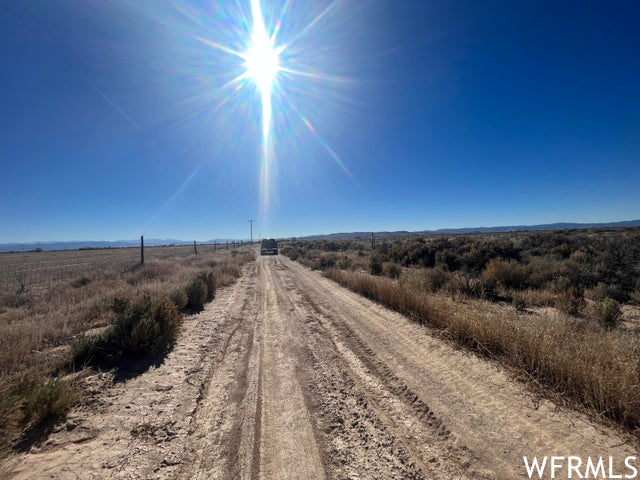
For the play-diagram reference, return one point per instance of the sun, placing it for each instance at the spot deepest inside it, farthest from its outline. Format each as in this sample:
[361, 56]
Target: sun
[277, 62]
[261, 60]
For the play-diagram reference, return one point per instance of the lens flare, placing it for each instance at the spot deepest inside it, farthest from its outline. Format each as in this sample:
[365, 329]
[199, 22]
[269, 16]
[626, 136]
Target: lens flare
[262, 64]
[262, 58]
[281, 69]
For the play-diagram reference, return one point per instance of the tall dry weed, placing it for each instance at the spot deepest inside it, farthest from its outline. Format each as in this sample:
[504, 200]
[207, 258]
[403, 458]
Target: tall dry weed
[598, 369]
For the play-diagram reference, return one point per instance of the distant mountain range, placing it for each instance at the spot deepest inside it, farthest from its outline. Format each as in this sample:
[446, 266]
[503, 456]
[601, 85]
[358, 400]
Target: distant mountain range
[154, 242]
[76, 245]
[513, 228]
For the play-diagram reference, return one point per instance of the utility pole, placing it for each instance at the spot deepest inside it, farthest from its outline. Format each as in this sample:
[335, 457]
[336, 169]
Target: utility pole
[251, 223]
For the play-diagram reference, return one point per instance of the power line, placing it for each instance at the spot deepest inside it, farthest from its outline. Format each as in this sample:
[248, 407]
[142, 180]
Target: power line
[251, 223]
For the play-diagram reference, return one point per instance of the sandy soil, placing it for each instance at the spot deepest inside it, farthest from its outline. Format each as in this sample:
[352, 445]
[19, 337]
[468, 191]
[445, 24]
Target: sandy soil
[287, 375]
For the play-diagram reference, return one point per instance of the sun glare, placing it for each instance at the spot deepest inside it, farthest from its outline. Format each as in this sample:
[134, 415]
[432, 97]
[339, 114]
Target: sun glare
[278, 63]
[262, 63]
[261, 60]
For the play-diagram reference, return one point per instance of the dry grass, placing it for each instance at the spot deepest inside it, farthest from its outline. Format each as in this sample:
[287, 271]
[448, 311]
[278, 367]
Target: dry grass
[36, 271]
[38, 327]
[28, 400]
[533, 297]
[598, 369]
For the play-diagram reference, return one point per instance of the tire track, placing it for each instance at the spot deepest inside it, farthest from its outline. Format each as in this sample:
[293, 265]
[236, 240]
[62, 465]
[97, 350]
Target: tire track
[369, 429]
[221, 440]
[491, 414]
[288, 447]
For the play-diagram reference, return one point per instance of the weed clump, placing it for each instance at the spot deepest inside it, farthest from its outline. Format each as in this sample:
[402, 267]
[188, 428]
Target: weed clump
[180, 298]
[197, 294]
[209, 280]
[145, 326]
[391, 270]
[571, 301]
[607, 313]
[142, 326]
[519, 304]
[435, 279]
[375, 265]
[80, 282]
[507, 272]
[29, 400]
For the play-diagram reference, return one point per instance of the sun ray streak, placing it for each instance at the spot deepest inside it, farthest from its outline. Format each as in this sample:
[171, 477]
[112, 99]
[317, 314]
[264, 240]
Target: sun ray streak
[317, 75]
[278, 26]
[218, 46]
[114, 105]
[171, 198]
[321, 140]
[311, 24]
[235, 81]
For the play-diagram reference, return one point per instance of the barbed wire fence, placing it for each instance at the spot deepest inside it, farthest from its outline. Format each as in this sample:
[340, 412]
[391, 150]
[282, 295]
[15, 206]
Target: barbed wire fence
[23, 271]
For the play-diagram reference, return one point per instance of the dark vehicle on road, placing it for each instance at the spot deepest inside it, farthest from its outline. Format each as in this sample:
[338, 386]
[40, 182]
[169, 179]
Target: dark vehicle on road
[269, 247]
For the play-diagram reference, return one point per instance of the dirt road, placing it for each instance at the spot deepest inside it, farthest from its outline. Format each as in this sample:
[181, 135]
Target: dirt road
[287, 375]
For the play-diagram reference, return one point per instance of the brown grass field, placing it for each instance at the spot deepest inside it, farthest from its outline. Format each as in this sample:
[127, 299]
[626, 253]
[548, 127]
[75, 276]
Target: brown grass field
[69, 305]
[36, 270]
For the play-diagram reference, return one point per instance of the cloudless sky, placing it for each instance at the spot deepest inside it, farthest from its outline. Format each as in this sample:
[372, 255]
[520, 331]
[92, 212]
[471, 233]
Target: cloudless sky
[117, 119]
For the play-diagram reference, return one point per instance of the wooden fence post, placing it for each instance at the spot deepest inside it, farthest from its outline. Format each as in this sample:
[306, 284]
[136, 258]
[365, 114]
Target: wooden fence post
[141, 249]
[195, 248]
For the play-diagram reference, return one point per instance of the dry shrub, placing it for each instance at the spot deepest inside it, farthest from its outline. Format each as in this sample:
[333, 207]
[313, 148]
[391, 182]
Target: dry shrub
[15, 300]
[209, 280]
[607, 313]
[149, 271]
[229, 270]
[80, 282]
[532, 296]
[144, 326]
[635, 297]
[571, 301]
[597, 293]
[507, 273]
[29, 399]
[519, 304]
[461, 283]
[180, 298]
[391, 270]
[88, 349]
[197, 294]
[375, 265]
[325, 261]
[434, 279]
[597, 369]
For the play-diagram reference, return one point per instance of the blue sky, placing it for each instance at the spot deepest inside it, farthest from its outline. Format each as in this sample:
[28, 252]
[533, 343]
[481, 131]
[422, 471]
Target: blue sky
[116, 119]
